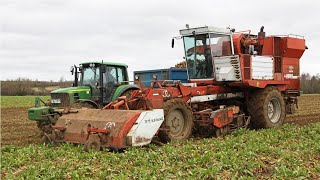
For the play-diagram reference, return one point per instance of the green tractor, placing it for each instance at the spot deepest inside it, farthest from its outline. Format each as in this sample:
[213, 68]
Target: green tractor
[100, 83]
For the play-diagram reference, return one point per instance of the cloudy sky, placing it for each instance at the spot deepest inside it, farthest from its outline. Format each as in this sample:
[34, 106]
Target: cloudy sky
[41, 39]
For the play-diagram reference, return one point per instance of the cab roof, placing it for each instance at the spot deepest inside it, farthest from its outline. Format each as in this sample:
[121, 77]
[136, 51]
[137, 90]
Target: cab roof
[106, 63]
[203, 30]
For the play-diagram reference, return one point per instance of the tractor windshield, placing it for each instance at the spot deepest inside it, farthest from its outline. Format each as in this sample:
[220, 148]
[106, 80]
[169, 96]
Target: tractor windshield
[200, 51]
[111, 76]
[90, 76]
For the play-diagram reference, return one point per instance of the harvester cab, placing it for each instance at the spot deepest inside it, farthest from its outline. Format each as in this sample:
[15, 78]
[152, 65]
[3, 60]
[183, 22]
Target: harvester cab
[204, 44]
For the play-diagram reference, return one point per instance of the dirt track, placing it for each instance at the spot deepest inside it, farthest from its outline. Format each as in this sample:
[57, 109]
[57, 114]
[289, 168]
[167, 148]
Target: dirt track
[16, 129]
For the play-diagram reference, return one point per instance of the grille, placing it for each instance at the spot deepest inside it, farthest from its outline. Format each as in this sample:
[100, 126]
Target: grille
[234, 61]
[64, 97]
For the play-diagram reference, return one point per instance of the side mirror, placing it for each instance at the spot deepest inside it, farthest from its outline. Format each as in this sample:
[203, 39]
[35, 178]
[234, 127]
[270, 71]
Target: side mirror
[172, 43]
[72, 70]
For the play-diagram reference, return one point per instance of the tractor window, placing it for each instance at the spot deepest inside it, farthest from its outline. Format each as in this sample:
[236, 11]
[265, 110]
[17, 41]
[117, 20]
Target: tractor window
[198, 56]
[220, 45]
[120, 74]
[90, 76]
[110, 75]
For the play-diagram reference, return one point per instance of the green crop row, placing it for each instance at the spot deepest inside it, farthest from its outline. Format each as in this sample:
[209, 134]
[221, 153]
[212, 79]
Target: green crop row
[20, 101]
[286, 152]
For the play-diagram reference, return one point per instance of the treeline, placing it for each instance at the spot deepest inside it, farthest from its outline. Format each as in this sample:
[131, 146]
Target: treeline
[25, 86]
[310, 84]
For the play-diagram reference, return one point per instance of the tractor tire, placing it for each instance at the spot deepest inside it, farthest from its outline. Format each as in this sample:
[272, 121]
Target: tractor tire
[266, 108]
[128, 93]
[178, 121]
[92, 144]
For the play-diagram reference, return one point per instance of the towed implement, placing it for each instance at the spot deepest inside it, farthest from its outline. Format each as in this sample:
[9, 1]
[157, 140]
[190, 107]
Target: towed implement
[234, 80]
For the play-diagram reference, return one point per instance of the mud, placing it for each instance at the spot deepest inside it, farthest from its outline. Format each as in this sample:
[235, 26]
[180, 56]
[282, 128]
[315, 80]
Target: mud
[16, 129]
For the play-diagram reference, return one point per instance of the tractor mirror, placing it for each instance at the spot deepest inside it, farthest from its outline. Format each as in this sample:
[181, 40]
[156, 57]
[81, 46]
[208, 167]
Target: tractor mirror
[172, 43]
[72, 70]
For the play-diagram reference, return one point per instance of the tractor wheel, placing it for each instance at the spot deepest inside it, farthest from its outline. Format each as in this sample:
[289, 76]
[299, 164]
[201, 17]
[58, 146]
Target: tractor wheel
[266, 108]
[128, 93]
[92, 144]
[178, 121]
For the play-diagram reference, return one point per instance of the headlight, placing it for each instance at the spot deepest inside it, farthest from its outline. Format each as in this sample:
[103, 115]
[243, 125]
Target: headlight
[136, 77]
[154, 76]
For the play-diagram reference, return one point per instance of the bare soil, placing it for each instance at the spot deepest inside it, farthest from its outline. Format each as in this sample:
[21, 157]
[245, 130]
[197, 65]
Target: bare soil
[16, 129]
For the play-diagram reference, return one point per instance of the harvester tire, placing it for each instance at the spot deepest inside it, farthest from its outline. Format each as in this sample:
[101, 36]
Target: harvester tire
[178, 121]
[266, 108]
[92, 144]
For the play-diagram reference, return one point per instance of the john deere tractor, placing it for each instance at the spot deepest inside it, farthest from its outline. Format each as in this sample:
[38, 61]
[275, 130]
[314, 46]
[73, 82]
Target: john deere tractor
[95, 85]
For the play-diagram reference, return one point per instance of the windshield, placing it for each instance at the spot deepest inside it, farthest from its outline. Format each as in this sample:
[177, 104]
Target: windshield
[200, 50]
[199, 61]
[90, 75]
[112, 75]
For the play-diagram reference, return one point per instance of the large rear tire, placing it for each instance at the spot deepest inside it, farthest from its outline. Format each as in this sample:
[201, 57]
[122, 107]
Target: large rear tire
[178, 121]
[266, 108]
[128, 93]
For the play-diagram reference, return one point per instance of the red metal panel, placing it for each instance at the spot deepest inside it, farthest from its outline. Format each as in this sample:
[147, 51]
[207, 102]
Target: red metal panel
[282, 85]
[267, 49]
[294, 47]
[222, 117]
[291, 72]
[246, 67]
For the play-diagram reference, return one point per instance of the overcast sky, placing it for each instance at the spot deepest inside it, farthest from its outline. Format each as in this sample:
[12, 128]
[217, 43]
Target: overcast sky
[41, 39]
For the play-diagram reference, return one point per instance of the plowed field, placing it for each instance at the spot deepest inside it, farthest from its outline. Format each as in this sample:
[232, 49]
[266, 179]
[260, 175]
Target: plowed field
[16, 129]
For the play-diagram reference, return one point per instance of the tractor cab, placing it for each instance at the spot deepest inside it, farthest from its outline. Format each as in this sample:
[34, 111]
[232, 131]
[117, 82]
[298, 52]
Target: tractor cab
[102, 79]
[203, 45]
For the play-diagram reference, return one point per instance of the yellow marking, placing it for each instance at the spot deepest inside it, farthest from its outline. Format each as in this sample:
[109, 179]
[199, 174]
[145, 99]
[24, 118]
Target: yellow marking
[258, 83]
[79, 90]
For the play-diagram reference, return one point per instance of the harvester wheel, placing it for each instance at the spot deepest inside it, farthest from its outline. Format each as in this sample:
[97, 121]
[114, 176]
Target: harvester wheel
[178, 121]
[266, 108]
[92, 144]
